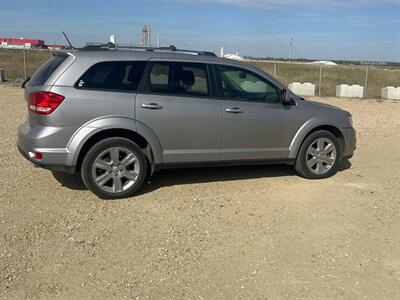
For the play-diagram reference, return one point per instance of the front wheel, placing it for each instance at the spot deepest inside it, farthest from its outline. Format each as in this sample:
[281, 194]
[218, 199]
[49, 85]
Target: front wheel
[319, 156]
[114, 168]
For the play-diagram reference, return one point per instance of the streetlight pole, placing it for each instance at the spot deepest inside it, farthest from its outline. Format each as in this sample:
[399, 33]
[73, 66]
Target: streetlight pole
[320, 80]
[24, 62]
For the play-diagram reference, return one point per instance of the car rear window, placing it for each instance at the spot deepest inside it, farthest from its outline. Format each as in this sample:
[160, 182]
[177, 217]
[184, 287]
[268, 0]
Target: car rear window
[113, 75]
[40, 77]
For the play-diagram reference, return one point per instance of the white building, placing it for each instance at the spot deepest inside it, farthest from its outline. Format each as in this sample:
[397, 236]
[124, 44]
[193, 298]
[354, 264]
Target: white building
[234, 56]
[325, 63]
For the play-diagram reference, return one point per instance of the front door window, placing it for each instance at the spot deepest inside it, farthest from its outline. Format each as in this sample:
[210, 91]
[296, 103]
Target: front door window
[243, 85]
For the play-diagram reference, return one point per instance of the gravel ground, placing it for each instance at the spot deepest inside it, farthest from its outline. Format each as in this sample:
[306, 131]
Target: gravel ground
[215, 233]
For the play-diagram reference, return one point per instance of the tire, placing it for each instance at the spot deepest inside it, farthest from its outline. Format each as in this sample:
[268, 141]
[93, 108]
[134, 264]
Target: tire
[314, 163]
[114, 168]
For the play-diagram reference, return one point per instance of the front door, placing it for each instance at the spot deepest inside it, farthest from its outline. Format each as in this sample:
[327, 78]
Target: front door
[256, 125]
[177, 105]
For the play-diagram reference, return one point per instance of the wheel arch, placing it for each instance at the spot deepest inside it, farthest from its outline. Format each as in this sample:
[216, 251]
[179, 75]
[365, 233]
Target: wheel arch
[304, 132]
[91, 133]
[115, 132]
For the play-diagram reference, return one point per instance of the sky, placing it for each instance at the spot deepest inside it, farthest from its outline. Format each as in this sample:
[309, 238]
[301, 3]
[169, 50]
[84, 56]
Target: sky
[321, 29]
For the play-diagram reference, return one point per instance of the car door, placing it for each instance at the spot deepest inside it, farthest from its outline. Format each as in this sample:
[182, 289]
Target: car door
[256, 125]
[177, 104]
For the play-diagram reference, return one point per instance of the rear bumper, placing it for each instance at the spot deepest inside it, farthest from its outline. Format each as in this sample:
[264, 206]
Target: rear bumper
[350, 141]
[55, 168]
[32, 139]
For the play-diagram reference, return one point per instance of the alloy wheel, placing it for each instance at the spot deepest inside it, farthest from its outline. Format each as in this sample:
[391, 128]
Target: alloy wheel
[115, 170]
[321, 156]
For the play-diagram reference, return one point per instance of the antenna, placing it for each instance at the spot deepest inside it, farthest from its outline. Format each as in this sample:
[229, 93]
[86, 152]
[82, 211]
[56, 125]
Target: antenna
[72, 47]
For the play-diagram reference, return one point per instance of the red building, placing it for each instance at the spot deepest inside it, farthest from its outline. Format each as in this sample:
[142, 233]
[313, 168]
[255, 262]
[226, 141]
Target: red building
[21, 43]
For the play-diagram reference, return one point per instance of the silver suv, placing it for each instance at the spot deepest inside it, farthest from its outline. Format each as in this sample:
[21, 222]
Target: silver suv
[118, 115]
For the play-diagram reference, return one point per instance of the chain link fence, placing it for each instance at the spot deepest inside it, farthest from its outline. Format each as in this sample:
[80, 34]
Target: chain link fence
[21, 63]
[326, 78]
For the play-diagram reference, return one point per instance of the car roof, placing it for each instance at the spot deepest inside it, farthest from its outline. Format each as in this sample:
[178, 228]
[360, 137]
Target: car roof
[151, 53]
[117, 54]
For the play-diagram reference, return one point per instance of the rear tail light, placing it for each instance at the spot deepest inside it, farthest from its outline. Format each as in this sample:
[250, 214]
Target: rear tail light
[44, 103]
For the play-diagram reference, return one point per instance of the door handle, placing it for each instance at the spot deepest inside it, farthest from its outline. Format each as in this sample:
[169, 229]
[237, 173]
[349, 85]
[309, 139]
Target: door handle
[152, 106]
[234, 110]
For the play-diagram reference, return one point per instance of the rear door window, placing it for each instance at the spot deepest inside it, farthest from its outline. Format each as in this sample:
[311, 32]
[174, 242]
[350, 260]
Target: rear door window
[179, 79]
[40, 77]
[113, 75]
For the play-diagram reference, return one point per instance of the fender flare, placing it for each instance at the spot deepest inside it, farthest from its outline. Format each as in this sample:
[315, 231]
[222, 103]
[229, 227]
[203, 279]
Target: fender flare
[303, 131]
[89, 129]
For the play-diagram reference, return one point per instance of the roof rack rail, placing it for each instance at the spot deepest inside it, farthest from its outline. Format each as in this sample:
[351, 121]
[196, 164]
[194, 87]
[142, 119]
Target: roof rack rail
[172, 48]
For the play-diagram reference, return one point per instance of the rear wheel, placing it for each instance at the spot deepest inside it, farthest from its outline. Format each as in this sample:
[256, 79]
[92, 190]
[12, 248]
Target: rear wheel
[114, 168]
[319, 156]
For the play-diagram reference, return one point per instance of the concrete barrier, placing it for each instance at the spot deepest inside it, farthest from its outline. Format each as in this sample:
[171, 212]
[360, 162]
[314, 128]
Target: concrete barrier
[302, 89]
[254, 87]
[349, 91]
[2, 76]
[391, 93]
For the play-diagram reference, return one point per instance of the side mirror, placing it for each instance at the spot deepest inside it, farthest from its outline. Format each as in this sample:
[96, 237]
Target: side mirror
[242, 75]
[285, 96]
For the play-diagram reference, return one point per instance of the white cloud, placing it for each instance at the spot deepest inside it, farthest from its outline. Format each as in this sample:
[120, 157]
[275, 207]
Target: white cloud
[273, 4]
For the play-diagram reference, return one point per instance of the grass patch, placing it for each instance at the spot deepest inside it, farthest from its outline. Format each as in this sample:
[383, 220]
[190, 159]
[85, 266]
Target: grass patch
[12, 61]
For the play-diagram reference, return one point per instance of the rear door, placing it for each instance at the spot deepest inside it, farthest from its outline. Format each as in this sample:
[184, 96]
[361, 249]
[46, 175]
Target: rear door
[256, 125]
[178, 105]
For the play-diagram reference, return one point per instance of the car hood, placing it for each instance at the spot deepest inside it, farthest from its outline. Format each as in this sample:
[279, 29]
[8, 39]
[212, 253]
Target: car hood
[324, 107]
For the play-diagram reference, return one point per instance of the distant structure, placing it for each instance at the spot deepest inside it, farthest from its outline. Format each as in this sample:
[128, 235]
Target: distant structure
[21, 43]
[222, 52]
[57, 47]
[324, 62]
[145, 40]
[234, 56]
[290, 49]
[113, 39]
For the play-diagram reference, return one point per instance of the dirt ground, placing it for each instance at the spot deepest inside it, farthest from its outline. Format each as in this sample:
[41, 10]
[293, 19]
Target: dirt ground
[214, 233]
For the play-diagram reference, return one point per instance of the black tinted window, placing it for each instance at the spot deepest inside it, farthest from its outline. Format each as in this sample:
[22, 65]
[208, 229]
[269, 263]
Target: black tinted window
[179, 79]
[116, 75]
[245, 85]
[40, 77]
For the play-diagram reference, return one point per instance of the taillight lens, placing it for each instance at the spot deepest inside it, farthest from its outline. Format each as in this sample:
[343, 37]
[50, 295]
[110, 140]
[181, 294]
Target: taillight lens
[44, 103]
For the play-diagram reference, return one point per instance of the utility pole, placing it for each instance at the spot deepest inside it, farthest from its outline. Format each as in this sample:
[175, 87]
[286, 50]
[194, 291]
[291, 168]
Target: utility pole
[290, 49]
[366, 82]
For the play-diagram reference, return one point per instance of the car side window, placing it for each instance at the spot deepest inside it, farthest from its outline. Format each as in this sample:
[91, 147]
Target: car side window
[113, 75]
[178, 79]
[241, 84]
